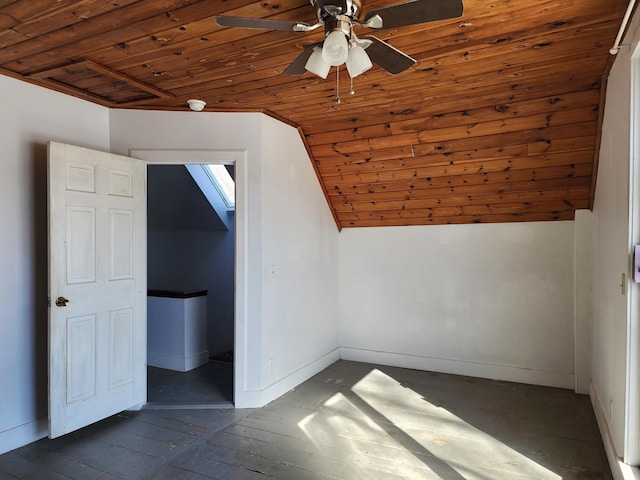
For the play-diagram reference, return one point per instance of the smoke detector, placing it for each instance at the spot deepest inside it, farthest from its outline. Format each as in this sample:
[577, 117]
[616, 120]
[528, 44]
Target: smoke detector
[196, 105]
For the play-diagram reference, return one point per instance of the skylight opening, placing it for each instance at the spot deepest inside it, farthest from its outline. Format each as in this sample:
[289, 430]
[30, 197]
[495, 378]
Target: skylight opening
[223, 182]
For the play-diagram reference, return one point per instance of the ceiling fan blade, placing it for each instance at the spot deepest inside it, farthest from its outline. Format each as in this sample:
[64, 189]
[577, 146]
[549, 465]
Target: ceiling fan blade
[388, 57]
[297, 67]
[261, 23]
[417, 11]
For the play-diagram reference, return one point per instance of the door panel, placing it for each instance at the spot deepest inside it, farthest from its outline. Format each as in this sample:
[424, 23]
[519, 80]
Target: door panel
[81, 245]
[121, 244]
[81, 358]
[121, 367]
[97, 256]
[80, 178]
[120, 183]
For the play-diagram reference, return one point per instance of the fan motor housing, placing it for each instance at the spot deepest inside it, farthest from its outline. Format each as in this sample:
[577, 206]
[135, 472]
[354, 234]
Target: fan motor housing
[342, 24]
[326, 9]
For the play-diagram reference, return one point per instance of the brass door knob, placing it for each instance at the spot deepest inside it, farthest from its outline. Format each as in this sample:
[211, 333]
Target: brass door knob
[62, 302]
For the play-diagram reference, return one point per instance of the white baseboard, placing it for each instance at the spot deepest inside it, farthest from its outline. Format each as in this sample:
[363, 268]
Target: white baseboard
[259, 398]
[619, 469]
[177, 363]
[22, 435]
[460, 367]
[605, 433]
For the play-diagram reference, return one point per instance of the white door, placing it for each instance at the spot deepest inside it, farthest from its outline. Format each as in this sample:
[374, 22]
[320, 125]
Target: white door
[97, 286]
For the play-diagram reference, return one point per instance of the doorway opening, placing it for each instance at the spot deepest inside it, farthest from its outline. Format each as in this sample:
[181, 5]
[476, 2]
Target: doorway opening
[190, 275]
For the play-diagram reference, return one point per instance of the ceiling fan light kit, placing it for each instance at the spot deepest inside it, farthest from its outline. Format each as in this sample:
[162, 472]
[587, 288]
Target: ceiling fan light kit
[341, 45]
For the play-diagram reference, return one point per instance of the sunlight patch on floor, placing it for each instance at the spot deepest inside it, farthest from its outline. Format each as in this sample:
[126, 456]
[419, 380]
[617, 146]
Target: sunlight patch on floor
[344, 426]
[383, 425]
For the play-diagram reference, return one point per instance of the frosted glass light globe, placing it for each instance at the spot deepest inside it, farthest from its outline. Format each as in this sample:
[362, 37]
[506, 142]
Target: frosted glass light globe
[358, 61]
[316, 64]
[335, 50]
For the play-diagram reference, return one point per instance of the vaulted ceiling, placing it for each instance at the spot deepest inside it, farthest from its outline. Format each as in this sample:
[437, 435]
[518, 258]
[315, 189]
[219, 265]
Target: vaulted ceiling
[498, 121]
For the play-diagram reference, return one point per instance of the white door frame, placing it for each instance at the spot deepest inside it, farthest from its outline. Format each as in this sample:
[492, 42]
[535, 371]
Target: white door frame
[239, 159]
[632, 415]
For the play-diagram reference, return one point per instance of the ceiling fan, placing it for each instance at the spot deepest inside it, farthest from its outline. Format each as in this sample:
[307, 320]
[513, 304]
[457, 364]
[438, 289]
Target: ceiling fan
[341, 45]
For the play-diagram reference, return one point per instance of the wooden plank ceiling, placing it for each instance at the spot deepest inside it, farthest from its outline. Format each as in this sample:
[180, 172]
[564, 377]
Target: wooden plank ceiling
[497, 122]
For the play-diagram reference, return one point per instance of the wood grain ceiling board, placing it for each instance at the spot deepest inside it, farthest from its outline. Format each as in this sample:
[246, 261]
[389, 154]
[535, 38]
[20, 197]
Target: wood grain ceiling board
[497, 122]
[93, 81]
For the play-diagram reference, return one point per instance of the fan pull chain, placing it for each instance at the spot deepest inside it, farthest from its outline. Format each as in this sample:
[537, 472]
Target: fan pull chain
[338, 85]
[351, 90]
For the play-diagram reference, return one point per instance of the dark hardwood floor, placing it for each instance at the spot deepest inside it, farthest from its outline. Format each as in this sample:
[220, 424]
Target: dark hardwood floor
[352, 421]
[210, 384]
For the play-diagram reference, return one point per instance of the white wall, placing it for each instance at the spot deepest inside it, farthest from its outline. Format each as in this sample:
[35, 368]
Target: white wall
[300, 258]
[29, 118]
[286, 322]
[493, 300]
[611, 256]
